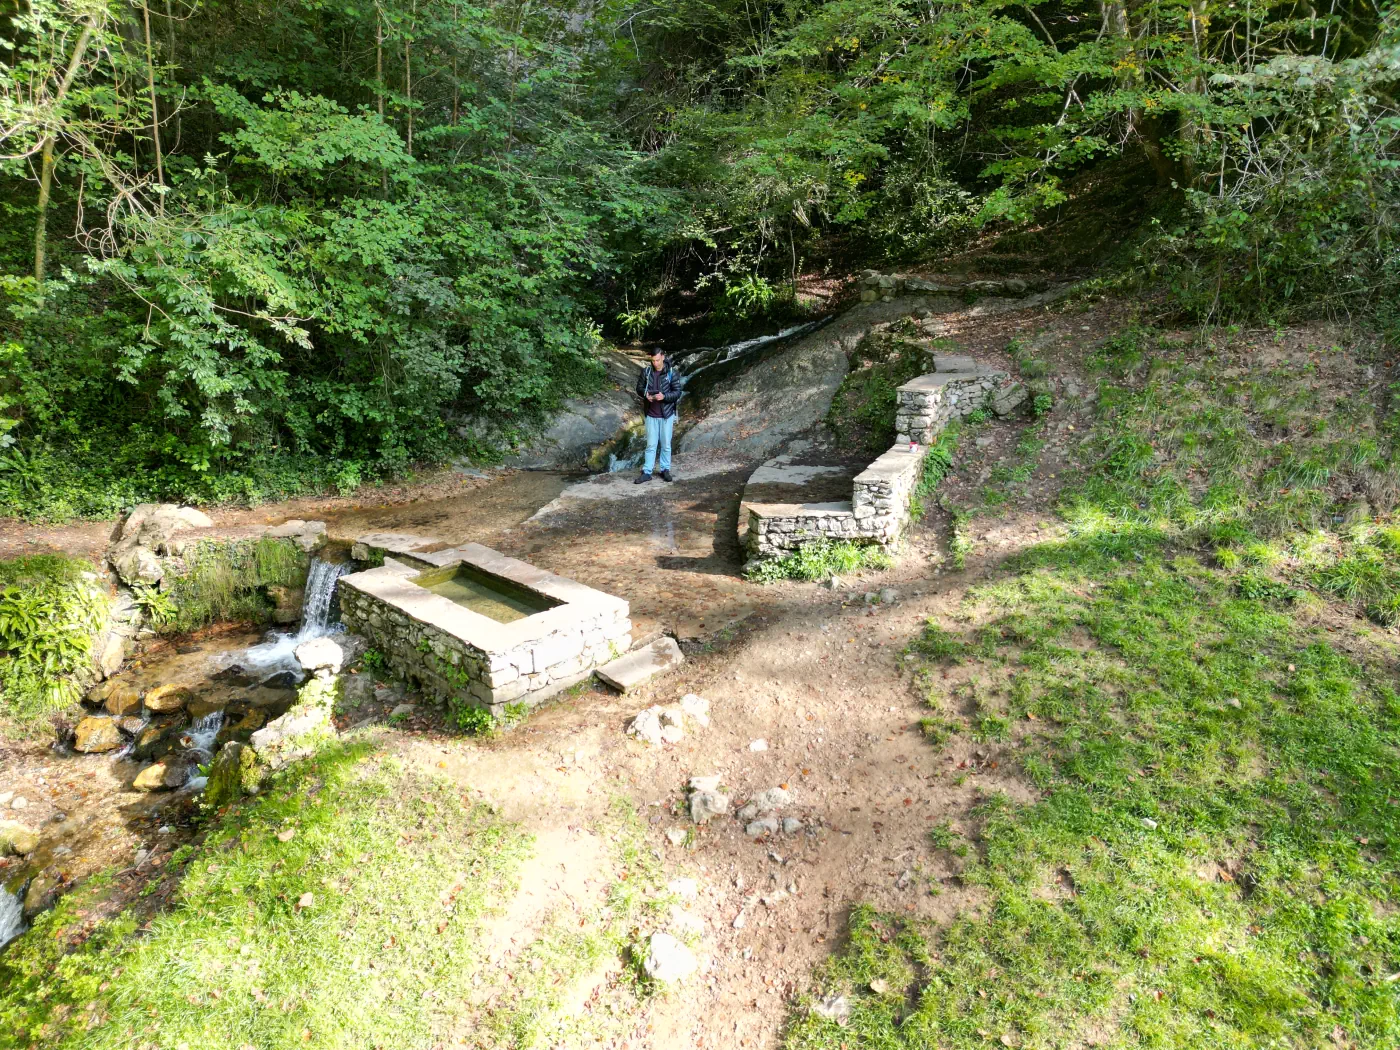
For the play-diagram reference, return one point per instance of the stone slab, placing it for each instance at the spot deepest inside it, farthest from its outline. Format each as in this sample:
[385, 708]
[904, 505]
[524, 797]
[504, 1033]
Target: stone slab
[953, 363]
[642, 665]
[397, 542]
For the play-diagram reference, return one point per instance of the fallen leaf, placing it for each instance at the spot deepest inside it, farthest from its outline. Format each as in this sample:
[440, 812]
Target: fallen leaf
[307, 899]
[287, 835]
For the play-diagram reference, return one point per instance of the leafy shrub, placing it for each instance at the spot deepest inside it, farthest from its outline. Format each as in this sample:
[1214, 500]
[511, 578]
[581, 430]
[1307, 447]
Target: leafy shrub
[225, 581]
[49, 614]
[820, 560]
[469, 718]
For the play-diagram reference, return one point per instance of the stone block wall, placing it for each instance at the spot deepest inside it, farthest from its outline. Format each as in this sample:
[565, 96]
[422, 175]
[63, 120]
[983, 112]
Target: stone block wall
[450, 668]
[776, 529]
[882, 493]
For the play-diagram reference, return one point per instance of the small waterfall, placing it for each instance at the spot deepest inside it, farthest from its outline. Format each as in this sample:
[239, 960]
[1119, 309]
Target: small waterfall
[279, 654]
[11, 914]
[200, 736]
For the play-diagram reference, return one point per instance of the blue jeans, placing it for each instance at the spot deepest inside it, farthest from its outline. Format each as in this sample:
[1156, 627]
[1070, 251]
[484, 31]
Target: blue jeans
[658, 433]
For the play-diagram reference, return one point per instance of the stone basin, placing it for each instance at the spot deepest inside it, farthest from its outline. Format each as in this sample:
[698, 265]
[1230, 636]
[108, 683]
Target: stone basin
[480, 628]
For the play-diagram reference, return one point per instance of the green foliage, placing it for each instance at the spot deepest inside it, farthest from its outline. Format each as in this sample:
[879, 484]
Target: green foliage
[938, 460]
[49, 615]
[820, 560]
[225, 581]
[374, 661]
[862, 413]
[470, 718]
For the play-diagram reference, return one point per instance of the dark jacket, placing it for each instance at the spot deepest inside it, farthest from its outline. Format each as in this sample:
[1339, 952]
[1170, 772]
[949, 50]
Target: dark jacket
[670, 387]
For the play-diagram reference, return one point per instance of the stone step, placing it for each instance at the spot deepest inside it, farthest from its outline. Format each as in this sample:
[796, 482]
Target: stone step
[642, 664]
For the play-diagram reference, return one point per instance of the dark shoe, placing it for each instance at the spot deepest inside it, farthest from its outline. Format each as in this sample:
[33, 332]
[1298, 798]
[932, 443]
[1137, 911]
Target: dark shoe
[642, 479]
[666, 476]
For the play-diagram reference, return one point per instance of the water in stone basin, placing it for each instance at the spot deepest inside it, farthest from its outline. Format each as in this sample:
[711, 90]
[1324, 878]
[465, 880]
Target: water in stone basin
[481, 593]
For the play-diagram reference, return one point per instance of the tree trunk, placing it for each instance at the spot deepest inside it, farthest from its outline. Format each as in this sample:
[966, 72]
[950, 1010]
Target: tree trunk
[46, 157]
[155, 108]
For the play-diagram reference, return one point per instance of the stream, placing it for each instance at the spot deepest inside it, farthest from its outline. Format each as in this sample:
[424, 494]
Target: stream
[229, 685]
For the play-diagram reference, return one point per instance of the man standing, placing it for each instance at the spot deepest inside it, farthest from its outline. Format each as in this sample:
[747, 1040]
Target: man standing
[659, 388]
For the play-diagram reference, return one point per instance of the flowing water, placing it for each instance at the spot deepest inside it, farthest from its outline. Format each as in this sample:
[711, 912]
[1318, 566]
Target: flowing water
[279, 653]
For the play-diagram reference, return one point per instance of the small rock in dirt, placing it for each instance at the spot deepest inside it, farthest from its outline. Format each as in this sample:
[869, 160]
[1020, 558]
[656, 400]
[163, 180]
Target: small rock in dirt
[165, 829]
[772, 799]
[834, 583]
[16, 838]
[676, 836]
[696, 707]
[709, 783]
[5, 797]
[758, 745]
[747, 812]
[685, 889]
[652, 725]
[1149, 823]
[833, 1008]
[152, 778]
[19, 802]
[983, 442]
[905, 880]
[668, 960]
[791, 825]
[740, 921]
[403, 710]
[762, 826]
[165, 698]
[1235, 703]
[707, 804]
[888, 596]
[871, 597]
[96, 734]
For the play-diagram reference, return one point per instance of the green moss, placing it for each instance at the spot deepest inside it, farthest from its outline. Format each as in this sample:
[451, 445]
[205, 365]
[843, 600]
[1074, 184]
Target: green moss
[225, 581]
[50, 614]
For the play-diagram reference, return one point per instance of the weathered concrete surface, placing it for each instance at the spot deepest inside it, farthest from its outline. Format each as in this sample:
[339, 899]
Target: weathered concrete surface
[642, 665]
[584, 423]
[787, 393]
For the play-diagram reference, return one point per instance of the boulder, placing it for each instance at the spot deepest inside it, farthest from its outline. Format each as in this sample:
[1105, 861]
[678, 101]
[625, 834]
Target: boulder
[16, 838]
[303, 730]
[696, 707]
[147, 536]
[166, 698]
[707, 804]
[321, 656]
[122, 699]
[1009, 398]
[131, 725]
[308, 534]
[96, 734]
[158, 738]
[762, 826]
[242, 729]
[668, 960]
[286, 602]
[152, 778]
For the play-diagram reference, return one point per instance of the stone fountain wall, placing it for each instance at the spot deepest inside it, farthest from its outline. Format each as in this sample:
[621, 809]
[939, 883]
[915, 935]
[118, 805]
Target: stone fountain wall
[447, 665]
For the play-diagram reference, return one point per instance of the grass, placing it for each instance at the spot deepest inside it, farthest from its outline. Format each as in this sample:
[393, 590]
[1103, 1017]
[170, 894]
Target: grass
[50, 616]
[821, 560]
[361, 929]
[1260, 908]
[225, 582]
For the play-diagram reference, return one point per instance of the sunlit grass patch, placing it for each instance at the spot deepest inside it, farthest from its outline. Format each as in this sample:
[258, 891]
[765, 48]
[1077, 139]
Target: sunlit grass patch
[342, 909]
[821, 560]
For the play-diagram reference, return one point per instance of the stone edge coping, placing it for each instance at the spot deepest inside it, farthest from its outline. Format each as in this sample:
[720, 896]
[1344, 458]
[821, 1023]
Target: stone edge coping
[784, 510]
[891, 464]
[392, 584]
[934, 380]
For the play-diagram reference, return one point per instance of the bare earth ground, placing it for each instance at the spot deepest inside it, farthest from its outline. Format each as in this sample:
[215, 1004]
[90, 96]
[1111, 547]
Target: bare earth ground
[814, 672]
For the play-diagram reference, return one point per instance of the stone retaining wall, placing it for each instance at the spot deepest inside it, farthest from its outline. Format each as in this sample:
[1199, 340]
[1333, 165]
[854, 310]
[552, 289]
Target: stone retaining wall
[420, 643]
[882, 493]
